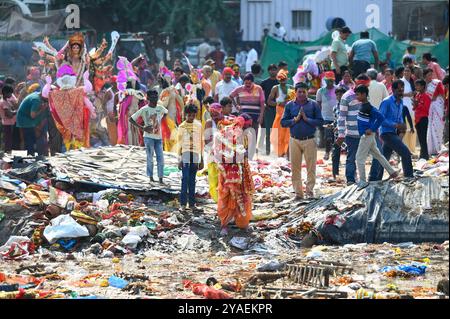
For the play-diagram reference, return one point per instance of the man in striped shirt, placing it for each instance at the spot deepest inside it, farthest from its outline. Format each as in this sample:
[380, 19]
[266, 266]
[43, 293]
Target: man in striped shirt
[250, 99]
[348, 127]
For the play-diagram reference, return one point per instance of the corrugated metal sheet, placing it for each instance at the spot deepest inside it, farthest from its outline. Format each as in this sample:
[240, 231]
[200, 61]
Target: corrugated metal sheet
[257, 15]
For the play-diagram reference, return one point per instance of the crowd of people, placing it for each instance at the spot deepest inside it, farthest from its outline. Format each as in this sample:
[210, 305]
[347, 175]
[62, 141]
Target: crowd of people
[212, 117]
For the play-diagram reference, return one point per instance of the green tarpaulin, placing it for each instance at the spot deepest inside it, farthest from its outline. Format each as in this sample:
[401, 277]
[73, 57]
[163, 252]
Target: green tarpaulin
[293, 54]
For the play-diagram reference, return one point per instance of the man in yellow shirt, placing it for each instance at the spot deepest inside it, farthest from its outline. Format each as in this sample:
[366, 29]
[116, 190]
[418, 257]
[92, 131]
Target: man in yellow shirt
[215, 77]
[191, 144]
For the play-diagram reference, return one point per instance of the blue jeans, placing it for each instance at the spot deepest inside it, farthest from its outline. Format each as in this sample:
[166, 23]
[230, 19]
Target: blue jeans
[29, 136]
[189, 174]
[391, 143]
[350, 166]
[374, 174]
[151, 146]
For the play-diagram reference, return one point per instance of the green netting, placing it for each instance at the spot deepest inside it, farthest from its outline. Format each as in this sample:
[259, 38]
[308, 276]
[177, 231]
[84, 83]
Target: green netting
[293, 54]
[441, 52]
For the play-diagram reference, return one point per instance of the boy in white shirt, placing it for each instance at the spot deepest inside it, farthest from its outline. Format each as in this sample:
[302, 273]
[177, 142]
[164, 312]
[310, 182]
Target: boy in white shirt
[152, 114]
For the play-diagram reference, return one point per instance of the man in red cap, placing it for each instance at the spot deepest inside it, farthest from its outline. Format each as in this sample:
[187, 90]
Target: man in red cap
[226, 86]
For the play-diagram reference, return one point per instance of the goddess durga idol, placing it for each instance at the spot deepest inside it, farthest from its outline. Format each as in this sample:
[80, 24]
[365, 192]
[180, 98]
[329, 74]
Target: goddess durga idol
[74, 53]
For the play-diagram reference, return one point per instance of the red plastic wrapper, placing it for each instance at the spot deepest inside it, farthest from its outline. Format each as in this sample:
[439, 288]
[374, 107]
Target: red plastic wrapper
[206, 291]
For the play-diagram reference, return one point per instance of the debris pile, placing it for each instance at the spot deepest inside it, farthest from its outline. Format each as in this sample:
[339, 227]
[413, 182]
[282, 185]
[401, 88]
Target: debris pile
[88, 225]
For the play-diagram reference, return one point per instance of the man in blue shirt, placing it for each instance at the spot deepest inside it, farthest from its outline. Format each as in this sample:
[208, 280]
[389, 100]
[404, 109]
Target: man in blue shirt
[393, 125]
[369, 121]
[32, 119]
[302, 117]
[361, 54]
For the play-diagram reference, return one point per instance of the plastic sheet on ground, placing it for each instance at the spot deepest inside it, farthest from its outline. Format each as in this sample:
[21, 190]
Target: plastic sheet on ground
[383, 212]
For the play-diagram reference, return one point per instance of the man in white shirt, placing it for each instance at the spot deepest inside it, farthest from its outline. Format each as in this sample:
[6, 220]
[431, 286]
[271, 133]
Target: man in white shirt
[202, 51]
[377, 90]
[252, 58]
[280, 32]
[241, 58]
[226, 86]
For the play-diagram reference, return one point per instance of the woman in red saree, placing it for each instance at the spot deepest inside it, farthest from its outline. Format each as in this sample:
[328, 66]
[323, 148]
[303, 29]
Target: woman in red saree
[236, 186]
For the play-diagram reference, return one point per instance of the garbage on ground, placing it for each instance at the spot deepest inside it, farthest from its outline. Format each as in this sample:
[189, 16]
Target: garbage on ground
[206, 291]
[117, 282]
[124, 236]
[63, 227]
[414, 269]
[16, 248]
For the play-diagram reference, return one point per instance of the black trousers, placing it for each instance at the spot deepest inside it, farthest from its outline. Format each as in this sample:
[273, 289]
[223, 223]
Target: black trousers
[54, 137]
[11, 136]
[422, 128]
[269, 117]
[359, 67]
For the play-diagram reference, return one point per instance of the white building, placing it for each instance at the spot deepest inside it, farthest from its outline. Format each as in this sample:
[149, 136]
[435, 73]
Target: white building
[306, 20]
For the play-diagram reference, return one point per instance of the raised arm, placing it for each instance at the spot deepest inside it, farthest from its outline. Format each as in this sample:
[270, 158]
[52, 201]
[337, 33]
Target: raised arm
[271, 101]
[87, 83]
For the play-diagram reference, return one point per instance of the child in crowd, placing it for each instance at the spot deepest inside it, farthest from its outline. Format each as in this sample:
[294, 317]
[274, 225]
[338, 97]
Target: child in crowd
[8, 110]
[369, 121]
[422, 103]
[152, 114]
[206, 115]
[227, 106]
[190, 143]
[407, 117]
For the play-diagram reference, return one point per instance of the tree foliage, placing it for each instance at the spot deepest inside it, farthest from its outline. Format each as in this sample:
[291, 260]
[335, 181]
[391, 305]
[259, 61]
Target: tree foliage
[183, 18]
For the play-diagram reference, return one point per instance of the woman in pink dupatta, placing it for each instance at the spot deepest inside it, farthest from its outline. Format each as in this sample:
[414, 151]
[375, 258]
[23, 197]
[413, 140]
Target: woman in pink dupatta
[130, 100]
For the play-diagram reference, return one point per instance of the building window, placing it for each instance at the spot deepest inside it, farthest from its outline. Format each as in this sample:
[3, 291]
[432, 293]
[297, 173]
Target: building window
[301, 19]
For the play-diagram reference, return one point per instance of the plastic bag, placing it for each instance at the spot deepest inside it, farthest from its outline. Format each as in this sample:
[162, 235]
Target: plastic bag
[135, 235]
[64, 226]
[117, 282]
[240, 242]
[131, 240]
[17, 247]
[140, 231]
[60, 198]
[413, 269]
[271, 266]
